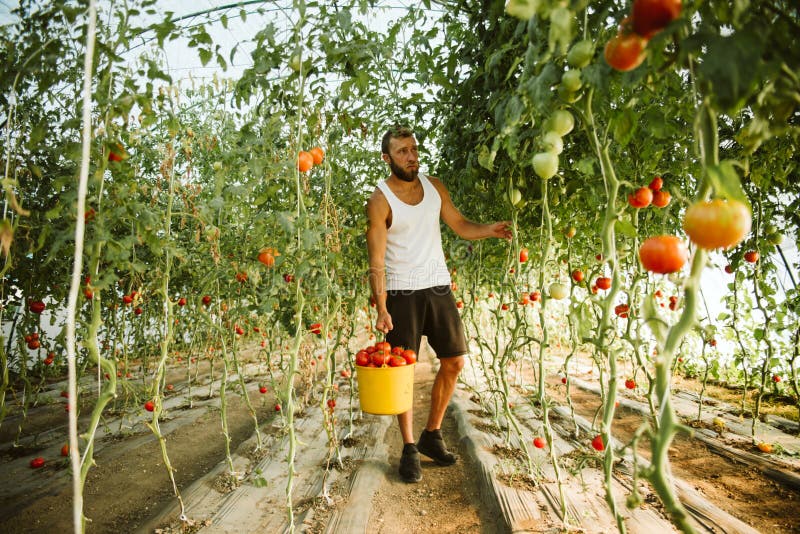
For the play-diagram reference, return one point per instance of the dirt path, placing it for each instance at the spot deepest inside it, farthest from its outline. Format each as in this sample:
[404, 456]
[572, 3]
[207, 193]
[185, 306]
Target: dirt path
[447, 499]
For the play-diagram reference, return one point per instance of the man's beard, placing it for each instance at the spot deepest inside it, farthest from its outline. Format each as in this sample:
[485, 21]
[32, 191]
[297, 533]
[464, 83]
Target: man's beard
[406, 176]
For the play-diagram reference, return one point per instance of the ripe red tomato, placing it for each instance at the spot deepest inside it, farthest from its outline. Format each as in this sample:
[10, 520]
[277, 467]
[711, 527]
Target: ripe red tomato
[380, 358]
[65, 450]
[305, 161]
[641, 198]
[397, 351]
[597, 443]
[267, 257]
[504, 307]
[36, 306]
[729, 269]
[663, 254]
[345, 373]
[603, 282]
[34, 344]
[241, 277]
[751, 256]
[315, 328]
[563, 379]
[717, 223]
[652, 16]
[331, 403]
[535, 295]
[262, 389]
[656, 183]
[127, 299]
[48, 361]
[239, 330]
[621, 310]
[117, 154]
[577, 275]
[539, 442]
[776, 378]
[149, 406]
[182, 301]
[459, 304]
[630, 383]
[317, 155]
[625, 51]
[383, 345]
[277, 407]
[206, 300]
[37, 462]
[661, 198]
[138, 311]
[523, 255]
[410, 356]
[397, 361]
[362, 358]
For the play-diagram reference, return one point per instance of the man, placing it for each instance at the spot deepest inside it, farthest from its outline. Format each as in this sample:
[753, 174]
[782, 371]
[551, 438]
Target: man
[410, 282]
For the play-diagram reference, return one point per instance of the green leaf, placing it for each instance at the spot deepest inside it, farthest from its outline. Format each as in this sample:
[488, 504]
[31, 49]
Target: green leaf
[626, 125]
[205, 56]
[625, 228]
[725, 181]
[486, 158]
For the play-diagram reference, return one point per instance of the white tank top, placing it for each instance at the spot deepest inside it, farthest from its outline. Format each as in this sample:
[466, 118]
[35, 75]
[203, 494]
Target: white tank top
[414, 255]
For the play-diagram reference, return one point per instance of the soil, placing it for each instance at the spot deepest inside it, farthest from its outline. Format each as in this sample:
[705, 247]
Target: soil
[129, 486]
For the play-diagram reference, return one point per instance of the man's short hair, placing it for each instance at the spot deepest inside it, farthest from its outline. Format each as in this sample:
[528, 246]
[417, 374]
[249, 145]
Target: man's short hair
[395, 132]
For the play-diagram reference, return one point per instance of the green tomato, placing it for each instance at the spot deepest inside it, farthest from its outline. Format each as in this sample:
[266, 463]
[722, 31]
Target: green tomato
[571, 80]
[515, 196]
[567, 96]
[522, 9]
[558, 291]
[775, 238]
[552, 142]
[580, 54]
[545, 164]
[296, 61]
[561, 122]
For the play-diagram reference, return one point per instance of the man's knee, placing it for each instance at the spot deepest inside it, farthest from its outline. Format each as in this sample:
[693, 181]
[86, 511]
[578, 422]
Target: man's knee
[452, 366]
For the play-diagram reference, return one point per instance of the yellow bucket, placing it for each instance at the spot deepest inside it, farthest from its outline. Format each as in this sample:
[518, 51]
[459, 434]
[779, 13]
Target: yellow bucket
[386, 390]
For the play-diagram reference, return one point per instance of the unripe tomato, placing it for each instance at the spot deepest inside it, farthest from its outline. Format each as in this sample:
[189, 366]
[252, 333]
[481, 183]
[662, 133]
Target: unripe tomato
[545, 164]
[558, 291]
[570, 232]
[561, 121]
[663, 254]
[552, 142]
[717, 223]
[580, 54]
[625, 52]
[571, 80]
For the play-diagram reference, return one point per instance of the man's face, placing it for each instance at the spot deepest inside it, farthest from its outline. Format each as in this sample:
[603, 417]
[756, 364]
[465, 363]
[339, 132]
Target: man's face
[403, 158]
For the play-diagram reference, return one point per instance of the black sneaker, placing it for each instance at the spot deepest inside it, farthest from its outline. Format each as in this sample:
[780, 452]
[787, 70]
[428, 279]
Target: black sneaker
[410, 470]
[431, 444]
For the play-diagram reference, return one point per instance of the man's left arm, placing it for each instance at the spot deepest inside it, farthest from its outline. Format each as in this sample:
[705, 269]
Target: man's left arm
[462, 226]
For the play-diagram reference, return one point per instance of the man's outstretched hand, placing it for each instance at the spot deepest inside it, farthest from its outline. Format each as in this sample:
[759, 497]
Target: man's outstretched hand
[501, 229]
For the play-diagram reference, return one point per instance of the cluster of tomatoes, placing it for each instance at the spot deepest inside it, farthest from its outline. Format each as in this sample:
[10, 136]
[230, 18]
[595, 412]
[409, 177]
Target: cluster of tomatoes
[382, 354]
[307, 159]
[626, 50]
[654, 194]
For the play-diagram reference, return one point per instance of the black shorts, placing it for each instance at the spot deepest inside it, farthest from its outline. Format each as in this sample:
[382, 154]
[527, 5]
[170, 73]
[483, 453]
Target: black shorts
[430, 312]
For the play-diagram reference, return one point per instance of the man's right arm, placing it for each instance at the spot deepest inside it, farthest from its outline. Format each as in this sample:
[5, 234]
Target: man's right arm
[377, 215]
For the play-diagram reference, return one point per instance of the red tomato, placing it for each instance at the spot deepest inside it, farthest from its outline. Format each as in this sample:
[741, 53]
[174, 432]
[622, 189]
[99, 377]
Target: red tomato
[625, 51]
[597, 443]
[661, 198]
[539, 442]
[776, 378]
[317, 155]
[37, 462]
[277, 407]
[206, 300]
[397, 361]
[266, 257]
[182, 301]
[65, 450]
[315, 328]
[371, 349]
[630, 383]
[34, 344]
[641, 198]
[149, 406]
[127, 299]
[116, 154]
[397, 351]
[535, 295]
[239, 330]
[563, 379]
[656, 183]
[621, 310]
[729, 269]
[663, 254]
[523, 255]
[577, 275]
[305, 161]
[603, 282]
[383, 345]
[262, 389]
[751, 256]
[410, 356]
[331, 403]
[36, 306]
[380, 358]
[504, 307]
[345, 373]
[717, 223]
[362, 358]
[138, 311]
[652, 16]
